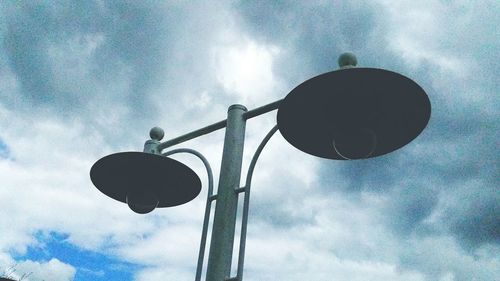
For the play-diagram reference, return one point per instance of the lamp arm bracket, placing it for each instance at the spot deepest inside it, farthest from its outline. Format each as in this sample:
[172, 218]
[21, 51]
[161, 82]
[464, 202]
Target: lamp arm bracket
[216, 126]
[246, 190]
[210, 198]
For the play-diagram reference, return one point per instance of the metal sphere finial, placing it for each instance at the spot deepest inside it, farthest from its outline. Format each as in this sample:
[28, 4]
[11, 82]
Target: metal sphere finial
[347, 60]
[156, 133]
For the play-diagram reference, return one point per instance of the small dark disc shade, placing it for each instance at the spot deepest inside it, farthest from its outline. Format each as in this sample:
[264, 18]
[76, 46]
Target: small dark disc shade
[391, 106]
[118, 174]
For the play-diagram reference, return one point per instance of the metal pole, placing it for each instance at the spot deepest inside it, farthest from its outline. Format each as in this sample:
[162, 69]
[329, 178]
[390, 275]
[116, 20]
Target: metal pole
[221, 246]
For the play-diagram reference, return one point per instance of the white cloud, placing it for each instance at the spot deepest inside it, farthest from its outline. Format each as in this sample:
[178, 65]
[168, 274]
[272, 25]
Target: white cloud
[245, 68]
[53, 270]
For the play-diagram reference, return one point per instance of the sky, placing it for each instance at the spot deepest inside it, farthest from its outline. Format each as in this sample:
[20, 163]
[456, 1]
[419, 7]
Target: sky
[83, 79]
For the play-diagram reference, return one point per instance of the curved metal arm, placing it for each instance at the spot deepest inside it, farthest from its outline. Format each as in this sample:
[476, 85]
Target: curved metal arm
[203, 241]
[241, 254]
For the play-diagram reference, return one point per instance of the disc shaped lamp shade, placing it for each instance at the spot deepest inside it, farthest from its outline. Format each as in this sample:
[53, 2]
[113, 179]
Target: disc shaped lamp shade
[145, 181]
[354, 113]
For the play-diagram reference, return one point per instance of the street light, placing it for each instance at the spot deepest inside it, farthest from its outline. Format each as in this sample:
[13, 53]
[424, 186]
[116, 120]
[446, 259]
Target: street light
[350, 113]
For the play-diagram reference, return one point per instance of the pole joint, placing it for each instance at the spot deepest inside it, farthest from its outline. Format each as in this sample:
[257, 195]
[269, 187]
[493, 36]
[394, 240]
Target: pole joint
[240, 189]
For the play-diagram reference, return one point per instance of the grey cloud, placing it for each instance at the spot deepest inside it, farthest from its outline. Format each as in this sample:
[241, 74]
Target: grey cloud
[282, 214]
[410, 207]
[313, 34]
[377, 174]
[475, 220]
[437, 260]
[315, 26]
[135, 60]
[133, 34]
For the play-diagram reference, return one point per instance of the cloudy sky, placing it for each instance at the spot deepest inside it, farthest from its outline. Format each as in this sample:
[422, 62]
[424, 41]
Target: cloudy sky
[83, 79]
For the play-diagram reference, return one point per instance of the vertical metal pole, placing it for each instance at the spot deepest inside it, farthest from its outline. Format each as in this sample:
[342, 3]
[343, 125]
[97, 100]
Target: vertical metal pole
[221, 246]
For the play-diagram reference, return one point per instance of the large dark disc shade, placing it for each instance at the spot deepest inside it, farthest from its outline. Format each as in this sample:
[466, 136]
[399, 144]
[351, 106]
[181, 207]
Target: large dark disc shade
[388, 104]
[171, 181]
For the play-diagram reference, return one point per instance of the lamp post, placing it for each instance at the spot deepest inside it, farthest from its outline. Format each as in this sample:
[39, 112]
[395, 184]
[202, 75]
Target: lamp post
[350, 113]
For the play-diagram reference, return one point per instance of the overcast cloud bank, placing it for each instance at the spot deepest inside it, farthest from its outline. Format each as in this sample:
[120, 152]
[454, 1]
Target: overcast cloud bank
[82, 80]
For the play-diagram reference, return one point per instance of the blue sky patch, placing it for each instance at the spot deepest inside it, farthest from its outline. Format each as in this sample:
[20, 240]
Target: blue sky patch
[4, 149]
[90, 266]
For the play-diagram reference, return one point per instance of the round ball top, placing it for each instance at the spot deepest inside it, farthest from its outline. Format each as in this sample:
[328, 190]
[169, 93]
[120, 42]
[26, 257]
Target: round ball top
[156, 133]
[347, 60]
